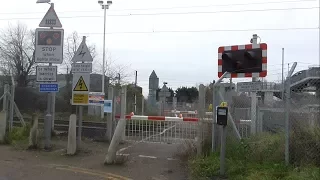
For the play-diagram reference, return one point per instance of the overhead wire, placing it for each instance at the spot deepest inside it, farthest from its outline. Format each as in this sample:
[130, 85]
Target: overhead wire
[214, 12]
[168, 13]
[202, 31]
[178, 7]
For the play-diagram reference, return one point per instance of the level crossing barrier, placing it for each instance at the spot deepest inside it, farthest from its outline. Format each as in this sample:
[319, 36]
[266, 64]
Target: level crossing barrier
[164, 129]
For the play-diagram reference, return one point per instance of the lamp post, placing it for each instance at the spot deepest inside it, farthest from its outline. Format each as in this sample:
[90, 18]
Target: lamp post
[104, 7]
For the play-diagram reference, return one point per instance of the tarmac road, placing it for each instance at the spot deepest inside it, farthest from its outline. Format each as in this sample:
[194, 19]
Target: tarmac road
[147, 161]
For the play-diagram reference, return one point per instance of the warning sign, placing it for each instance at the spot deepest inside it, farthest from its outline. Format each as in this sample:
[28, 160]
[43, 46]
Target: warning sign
[80, 89]
[80, 99]
[96, 98]
[81, 82]
[81, 85]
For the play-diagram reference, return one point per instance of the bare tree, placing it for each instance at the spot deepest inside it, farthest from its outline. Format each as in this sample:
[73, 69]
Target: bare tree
[72, 43]
[113, 70]
[17, 50]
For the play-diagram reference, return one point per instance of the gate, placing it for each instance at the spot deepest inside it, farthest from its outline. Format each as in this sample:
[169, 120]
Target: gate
[160, 129]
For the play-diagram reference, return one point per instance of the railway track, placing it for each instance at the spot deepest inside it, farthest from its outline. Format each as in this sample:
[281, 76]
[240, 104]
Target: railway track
[89, 129]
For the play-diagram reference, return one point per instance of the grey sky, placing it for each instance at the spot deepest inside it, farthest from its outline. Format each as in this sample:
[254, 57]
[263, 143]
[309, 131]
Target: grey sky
[183, 58]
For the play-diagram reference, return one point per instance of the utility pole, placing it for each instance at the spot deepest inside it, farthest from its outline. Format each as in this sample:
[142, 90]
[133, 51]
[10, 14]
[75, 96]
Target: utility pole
[282, 78]
[135, 92]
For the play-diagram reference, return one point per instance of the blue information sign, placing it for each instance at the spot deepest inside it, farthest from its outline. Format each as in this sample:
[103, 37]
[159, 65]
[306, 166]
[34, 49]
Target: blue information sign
[49, 87]
[107, 106]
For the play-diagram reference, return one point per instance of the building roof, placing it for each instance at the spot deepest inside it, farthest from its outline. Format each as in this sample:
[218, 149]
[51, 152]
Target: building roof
[153, 75]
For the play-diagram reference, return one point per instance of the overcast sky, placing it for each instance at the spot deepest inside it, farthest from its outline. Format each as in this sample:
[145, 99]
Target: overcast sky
[137, 32]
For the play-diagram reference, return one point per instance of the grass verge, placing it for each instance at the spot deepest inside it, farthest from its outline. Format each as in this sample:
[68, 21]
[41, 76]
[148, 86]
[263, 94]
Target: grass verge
[260, 157]
[18, 135]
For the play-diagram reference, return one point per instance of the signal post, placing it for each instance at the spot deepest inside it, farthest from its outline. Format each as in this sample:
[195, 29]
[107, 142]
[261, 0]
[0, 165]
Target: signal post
[245, 61]
[49, 49]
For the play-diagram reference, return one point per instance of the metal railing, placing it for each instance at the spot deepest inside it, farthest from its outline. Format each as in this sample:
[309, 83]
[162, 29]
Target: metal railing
[169, 131]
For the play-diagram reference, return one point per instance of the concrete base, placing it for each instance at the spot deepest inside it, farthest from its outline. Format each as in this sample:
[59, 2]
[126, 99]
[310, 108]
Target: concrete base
[3, 125]
[111, 155]
[72, 136]
[34, 133]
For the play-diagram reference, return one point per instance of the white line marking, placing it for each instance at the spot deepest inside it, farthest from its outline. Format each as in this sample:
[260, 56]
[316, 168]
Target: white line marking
[171, 159]
[123, 154]
[151, 157]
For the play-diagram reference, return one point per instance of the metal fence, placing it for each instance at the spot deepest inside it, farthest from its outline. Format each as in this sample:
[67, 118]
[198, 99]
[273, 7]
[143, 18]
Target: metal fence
[303, 120]
[158, 131]
[295, 114]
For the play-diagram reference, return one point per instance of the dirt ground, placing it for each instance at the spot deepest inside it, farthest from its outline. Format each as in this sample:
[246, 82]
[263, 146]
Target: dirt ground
[146, 161]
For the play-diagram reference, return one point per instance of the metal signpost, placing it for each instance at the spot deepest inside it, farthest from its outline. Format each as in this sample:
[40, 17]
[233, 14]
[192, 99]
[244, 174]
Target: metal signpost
[81, 81]
[49, 49]
[222, 120]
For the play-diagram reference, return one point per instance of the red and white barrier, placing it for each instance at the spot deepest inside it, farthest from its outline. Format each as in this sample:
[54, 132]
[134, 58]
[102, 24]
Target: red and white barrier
[166, 118]
[188, 112]
[158, 118]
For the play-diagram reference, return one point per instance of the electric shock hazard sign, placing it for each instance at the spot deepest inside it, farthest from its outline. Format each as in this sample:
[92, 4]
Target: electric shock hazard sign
[81, 85]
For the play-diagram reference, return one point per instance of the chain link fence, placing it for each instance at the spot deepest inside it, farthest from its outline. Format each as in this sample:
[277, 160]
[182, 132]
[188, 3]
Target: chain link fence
[304, 120]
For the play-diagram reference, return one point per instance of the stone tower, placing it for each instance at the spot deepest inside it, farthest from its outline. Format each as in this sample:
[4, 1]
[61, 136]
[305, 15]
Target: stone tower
[153, 86]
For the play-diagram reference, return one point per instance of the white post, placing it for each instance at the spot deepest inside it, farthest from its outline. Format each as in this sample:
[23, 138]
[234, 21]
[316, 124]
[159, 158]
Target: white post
[80, 113]
[254, 96]
[223, 150]
[72, 135]
[104, 54]
[47, 131]
[111, 155]
[201, 111]
[12, 103]
[123, 110]
[5, 101]
[110, 116]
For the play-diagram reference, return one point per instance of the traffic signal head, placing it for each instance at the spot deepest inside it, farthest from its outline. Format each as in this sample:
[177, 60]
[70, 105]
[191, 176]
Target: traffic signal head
[242, 61]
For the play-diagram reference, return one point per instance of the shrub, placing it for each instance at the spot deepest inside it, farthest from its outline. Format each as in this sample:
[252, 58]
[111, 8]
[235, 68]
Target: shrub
[186, 150]
[262, 157]
[266, 147]
[18, 134]
[305, 145]
[205, 166]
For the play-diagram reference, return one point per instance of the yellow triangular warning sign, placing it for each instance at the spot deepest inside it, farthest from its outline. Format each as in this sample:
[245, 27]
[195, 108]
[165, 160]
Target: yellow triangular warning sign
[81, 85]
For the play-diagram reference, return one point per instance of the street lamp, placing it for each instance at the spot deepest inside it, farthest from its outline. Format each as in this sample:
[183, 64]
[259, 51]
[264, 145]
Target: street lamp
[104, 7]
